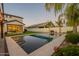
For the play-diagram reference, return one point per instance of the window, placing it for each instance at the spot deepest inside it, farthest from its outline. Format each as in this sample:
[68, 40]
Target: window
[14, 28]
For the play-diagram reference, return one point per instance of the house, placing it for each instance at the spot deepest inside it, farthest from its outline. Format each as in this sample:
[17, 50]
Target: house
[13, 24]
[42, 25]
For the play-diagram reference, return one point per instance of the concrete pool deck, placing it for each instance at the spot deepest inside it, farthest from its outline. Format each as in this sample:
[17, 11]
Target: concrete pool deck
[13, 48]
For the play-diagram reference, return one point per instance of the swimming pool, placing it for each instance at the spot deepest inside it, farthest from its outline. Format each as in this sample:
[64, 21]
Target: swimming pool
[30, 43]
[43, 36]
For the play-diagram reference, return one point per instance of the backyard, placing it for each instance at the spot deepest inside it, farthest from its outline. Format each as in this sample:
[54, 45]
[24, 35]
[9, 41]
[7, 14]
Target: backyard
[41, 38]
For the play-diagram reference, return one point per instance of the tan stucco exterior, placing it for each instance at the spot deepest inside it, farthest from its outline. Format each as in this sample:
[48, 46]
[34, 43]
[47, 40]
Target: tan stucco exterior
[14, 20]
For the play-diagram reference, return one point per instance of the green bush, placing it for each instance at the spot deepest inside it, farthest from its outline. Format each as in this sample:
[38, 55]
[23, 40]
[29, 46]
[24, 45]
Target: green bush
[69, 32]
[72, 37]
[71, 50]
[25, 30]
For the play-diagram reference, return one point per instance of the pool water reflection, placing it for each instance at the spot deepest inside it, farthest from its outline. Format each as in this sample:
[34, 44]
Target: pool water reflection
[30, 43]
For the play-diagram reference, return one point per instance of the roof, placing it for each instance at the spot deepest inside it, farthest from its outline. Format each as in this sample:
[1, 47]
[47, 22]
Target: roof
[41, 24]
[13, 15]
[13, 21]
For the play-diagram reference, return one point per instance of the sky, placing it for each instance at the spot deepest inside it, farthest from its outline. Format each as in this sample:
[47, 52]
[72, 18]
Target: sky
[33, 13]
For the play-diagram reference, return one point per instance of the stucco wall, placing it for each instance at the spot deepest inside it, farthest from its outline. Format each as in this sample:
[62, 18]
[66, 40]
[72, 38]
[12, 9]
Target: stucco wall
[56, 29]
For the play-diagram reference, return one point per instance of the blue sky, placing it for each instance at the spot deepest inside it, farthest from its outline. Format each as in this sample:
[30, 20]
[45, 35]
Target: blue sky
[33, 13]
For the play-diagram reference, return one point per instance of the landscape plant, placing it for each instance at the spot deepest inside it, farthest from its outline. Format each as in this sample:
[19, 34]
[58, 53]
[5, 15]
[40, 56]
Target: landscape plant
[72, 38]
[71, 50]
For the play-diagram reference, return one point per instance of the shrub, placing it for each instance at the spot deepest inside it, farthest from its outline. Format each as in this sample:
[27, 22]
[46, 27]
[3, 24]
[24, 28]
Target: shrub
[71, 50]
[69, 32]
[25, 30]
[72, 37]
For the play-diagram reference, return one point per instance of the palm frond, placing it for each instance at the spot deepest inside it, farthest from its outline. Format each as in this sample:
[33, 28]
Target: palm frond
[56, 6]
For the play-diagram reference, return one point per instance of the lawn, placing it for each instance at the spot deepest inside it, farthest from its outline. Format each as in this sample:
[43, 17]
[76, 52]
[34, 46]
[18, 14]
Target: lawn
[25, 33]
[30, 33]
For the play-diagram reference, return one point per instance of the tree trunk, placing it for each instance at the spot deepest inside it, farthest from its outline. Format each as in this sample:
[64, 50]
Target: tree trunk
[59, 31]
[49, 29]
[75, 28]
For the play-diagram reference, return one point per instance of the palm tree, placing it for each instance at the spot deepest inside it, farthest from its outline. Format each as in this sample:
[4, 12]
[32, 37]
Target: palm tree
[56, 6]
[59, 23]
[71, 12]
[49, 25]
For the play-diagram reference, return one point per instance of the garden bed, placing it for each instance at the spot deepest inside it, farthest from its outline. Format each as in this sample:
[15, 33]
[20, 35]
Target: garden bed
[70, 47]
